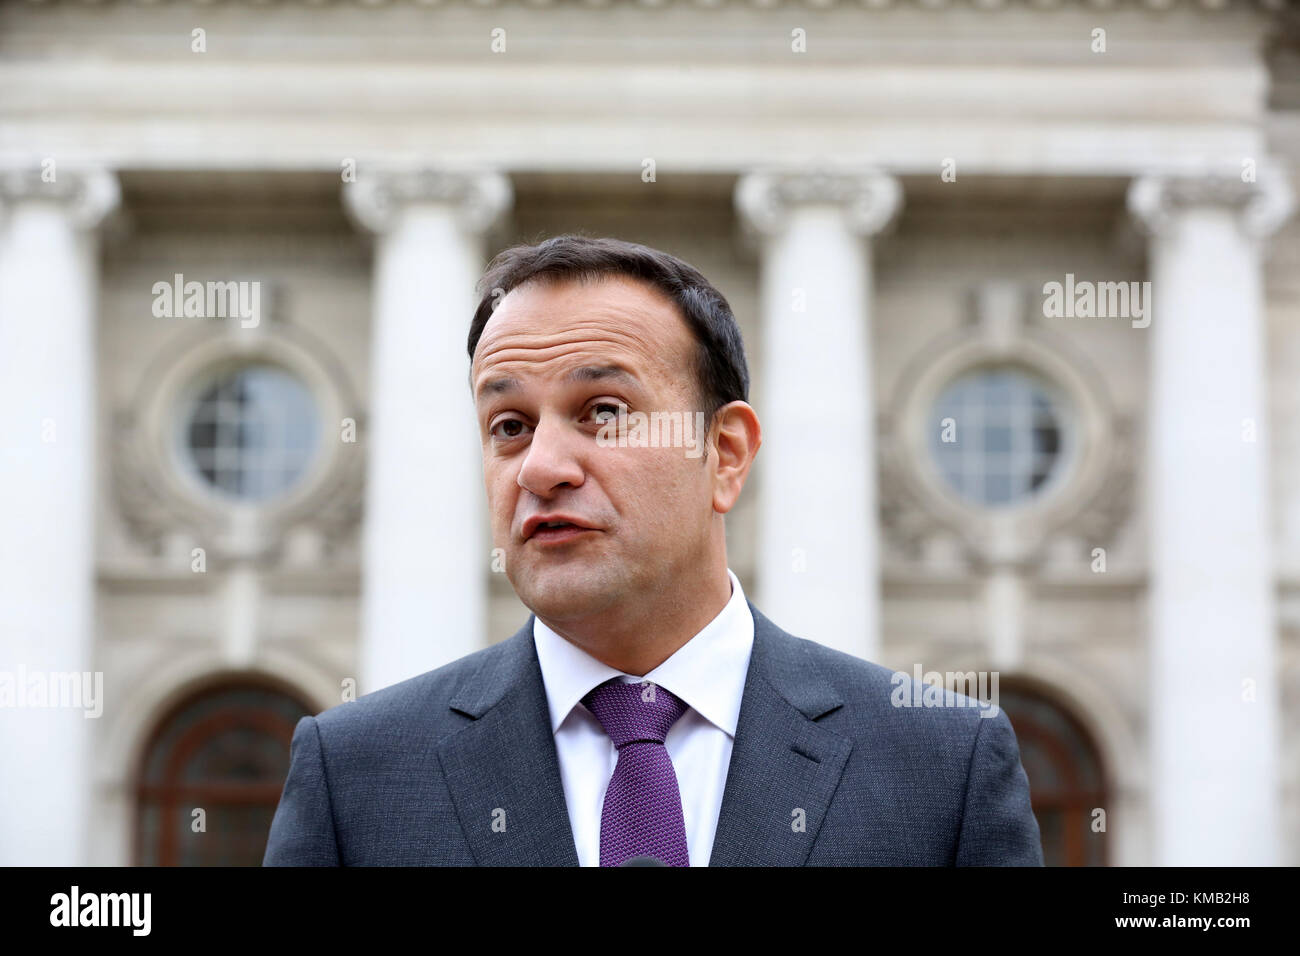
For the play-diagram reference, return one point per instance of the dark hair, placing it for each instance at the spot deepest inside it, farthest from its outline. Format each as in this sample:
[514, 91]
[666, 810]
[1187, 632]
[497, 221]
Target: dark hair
[721, 373]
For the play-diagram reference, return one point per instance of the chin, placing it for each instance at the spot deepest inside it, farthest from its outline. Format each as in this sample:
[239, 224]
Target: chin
[563, 593]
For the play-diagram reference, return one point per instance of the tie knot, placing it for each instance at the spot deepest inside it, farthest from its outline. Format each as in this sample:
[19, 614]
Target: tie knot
[634, 712]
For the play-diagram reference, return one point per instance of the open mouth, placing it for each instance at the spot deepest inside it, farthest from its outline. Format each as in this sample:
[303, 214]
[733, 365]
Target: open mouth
[554, 527]
[555, 531]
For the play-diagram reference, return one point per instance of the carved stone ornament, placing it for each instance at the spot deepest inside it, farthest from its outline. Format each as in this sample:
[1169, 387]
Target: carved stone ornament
[378, 196]
[88, 195]
[922, 517]
[869, 199]
[167, 508]
[1262, 202]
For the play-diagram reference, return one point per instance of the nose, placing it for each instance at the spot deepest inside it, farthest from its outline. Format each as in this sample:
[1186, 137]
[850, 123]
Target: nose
[551, 461]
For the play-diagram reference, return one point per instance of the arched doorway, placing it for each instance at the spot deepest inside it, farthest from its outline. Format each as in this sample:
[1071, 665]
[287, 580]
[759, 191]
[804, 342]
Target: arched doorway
[224, 751]
[1067, 779]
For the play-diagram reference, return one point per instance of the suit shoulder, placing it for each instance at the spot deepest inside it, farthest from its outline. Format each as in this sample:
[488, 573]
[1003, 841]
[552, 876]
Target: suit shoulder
[880, 695]
[853, 676]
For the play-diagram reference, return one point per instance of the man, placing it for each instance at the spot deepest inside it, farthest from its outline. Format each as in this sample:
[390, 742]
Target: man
[647, 711]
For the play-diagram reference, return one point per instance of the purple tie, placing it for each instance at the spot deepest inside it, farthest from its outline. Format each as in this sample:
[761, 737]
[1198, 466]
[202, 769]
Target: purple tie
[642, 815]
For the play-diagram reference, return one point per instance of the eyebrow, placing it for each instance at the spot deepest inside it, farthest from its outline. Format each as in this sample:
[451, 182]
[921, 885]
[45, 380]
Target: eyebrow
[583, 373]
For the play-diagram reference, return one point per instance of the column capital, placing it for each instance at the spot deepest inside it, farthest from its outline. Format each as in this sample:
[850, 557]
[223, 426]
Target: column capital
[88, 194]
[477, 197]
[869, 198]
[1261, 205]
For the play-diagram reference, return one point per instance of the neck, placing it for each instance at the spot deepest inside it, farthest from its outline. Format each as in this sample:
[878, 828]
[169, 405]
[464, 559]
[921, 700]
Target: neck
[637, 640]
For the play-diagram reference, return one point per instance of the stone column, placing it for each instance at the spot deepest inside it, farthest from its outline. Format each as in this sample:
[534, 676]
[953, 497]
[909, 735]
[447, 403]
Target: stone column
[1213, 677]
[49, 288]
[424, 576]
[818, 563]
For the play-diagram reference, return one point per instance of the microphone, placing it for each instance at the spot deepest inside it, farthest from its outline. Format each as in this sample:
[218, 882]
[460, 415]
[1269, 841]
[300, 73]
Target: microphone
[643, 861]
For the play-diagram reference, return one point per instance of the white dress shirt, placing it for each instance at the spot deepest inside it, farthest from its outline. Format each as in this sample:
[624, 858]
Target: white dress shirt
[707, 673]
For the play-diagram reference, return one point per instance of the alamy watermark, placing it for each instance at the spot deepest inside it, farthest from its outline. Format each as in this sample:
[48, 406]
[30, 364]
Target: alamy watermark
[931, 689]
[179, 299]
[654, 430]
[129, 910]
[1098, 300]
[74, 690]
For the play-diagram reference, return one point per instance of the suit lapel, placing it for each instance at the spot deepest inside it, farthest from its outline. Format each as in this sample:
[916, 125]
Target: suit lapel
[502, 770]
[502, 766]
[784, 765]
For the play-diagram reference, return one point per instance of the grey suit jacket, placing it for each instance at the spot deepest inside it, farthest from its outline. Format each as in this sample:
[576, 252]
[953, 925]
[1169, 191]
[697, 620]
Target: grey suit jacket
[824, 771]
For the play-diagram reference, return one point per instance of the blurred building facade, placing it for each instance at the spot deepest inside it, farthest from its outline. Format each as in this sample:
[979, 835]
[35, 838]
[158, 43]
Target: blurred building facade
[1018, 283]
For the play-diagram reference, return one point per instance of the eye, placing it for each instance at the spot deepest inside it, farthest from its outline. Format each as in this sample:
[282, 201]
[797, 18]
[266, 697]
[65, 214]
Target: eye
[603, 416]
[513, 428]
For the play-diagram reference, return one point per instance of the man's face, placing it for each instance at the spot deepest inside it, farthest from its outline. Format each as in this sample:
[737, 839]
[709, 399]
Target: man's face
[651, 508]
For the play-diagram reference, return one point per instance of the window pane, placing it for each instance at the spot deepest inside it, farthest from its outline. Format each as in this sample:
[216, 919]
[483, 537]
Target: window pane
[1007, 441]
[252, 433]
[224, 751]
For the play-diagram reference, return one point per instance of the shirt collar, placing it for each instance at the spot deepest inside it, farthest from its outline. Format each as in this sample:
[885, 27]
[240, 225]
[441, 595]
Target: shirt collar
[707, 672]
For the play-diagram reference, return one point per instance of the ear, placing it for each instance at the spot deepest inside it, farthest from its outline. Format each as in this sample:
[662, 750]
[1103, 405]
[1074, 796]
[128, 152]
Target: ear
[734, 439]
